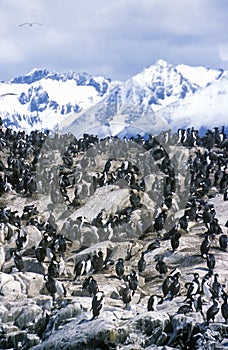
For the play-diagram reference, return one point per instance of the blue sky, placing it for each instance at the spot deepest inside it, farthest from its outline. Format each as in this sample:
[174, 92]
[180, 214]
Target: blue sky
[115, 38]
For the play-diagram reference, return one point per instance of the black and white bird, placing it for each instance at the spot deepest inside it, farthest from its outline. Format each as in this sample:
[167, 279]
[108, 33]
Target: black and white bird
[205, 246]
[22, 240]
[61, 265]
[207, 217]
[224, 308]
[186, 308]
[126, 296]
[83, 267]
[60, 289]
[159, 222]
[223, 242]
[30, 24]
[88, 264]
[206, 289]
[98, 261]
[18, 261]
[192, 290]
[161, 267]
[53, 268]
[153, 301]
[212, 311]
[142, 263]
[120, 268]
[60, 244]
[50, 253]
[91, 285]
[97, 303]
[183, 222]
[40, 253]
[211, 262]
[196, 281]
[198, 303]
[153, 245]
[216, 287]
[50, 285]
[174, 287]
[175, 240]
[166, 285]
[54, 286]
[132, 281]
[79, 269]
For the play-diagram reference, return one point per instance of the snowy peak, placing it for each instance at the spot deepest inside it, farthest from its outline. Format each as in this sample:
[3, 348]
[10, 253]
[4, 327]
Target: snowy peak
[164, 82]
[42, 99]
[201, 76]
[146, 92]
[81, 79]
[161, 93]
[31, 77]
[160, 97]
[207, 108]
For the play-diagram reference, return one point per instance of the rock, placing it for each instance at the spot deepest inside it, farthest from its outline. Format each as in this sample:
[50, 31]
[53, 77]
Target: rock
[89, 237]
[155, 335]
[162, 340]
[125, 250]
[182, 325]
[32, 282]
[30, 319]
[3, 313]
[34, 235]
[11, 288]
[114, 295]
[14, 340]
[67, 313]
[8, 266]
[31, 341]
[32, 265]
[2, 256]
[5, 278]
[104, 246]
[41, 324]
[151, 320]
[26, 316]
[84, 334]
[116, 198]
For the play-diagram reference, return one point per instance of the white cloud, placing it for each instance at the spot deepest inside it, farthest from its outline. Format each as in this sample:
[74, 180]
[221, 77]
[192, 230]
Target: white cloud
[223, 51]
[9, 52]
[115, 38]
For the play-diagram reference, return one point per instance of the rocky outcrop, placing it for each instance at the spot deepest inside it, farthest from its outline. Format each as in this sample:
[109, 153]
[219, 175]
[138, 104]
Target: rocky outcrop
[32, 317]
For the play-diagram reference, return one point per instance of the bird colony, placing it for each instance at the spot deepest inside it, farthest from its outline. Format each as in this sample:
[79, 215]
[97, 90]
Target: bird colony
[113, 243]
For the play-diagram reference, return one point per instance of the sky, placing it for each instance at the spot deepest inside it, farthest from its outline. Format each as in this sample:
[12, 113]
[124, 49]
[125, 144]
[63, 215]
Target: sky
[113, 38]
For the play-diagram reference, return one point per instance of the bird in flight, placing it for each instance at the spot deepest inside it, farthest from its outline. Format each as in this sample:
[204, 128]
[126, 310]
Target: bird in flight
[6, 94]
[30, 24]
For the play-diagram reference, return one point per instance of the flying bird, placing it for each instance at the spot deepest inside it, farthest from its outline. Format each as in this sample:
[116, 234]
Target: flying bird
[30, 24]
[6, 94]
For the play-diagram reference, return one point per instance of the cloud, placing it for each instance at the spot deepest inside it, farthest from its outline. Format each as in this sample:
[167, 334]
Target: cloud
[116, 38]
[9, 52]
[223, 51]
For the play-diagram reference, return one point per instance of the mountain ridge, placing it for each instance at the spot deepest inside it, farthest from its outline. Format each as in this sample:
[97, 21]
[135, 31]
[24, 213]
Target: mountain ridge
[71, 101]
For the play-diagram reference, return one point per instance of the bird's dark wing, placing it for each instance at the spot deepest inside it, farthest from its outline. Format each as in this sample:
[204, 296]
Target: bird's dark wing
[29, 24]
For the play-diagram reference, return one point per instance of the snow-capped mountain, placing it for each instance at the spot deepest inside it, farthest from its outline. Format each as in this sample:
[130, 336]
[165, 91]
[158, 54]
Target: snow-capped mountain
[201, 76]
[206, 108]
[151, 101]
[161, 96]
[41, 99]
